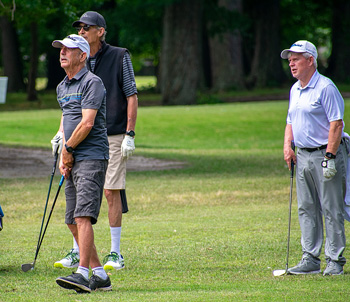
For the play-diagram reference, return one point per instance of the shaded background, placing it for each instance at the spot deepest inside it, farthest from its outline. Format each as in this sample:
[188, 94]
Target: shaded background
[190, 46]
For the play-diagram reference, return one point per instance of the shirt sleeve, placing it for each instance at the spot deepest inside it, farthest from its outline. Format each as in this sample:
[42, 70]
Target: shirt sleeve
[93, 95]
[129, 84]
[333, 103]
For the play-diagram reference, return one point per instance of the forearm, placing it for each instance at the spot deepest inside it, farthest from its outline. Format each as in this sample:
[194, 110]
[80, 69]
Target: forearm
[288, 137]
[334, 136]
[82, 130]
[79, 134]
[132, 112]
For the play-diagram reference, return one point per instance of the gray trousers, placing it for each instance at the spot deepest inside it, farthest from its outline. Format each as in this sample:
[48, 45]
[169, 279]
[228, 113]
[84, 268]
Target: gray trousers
[317, 197]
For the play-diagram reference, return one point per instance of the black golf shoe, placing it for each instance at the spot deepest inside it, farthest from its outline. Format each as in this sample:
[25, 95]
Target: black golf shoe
[74, 281]
[97, 283]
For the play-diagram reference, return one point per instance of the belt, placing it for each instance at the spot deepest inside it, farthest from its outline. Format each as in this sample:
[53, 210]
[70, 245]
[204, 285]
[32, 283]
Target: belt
[314, 149]
[318, 148]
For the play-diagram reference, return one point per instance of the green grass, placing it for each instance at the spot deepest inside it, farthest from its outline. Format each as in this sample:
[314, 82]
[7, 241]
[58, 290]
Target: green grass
[213, 231]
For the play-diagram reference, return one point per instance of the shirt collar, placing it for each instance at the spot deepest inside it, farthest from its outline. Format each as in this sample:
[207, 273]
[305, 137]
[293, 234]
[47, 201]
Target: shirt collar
[99, 51]
[312, 82]
[77, 76]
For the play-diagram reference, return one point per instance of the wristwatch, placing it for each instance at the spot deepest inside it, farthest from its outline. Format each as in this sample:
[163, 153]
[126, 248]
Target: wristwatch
[69, 149]
[130, 133]
[330, 155]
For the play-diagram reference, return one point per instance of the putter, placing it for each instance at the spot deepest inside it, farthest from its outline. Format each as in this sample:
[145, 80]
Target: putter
[281, 272]
[30, 266]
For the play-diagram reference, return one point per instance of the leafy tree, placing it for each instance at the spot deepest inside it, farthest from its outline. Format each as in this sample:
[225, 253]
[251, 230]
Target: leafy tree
[339, 64]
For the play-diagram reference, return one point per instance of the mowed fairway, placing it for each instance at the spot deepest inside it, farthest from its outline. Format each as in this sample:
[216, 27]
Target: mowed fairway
[213, 231]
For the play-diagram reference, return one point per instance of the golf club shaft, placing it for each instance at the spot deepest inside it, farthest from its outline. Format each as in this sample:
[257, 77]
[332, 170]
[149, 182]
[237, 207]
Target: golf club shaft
[290, 203]
[47, 200]
[48, 219]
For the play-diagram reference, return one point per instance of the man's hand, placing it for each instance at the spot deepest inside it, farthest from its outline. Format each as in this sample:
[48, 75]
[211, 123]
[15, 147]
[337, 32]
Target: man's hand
[328, 166]
[128, 146]
[66, 163]
[56, 143]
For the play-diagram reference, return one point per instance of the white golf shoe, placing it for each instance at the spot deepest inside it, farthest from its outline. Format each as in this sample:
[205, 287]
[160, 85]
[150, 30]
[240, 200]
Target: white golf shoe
[113, 261]
[71, 260]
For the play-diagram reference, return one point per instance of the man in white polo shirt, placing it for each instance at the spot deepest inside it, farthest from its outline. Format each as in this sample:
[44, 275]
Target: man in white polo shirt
[315, 124]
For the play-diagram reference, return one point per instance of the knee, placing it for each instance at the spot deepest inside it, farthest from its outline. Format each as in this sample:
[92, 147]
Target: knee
[82, 221]
[111, 195]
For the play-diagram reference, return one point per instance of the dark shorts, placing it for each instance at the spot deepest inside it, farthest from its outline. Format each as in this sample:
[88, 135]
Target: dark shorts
[84, 190]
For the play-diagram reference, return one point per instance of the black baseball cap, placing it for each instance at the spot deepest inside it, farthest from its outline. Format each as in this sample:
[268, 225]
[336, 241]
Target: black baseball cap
[91, 18]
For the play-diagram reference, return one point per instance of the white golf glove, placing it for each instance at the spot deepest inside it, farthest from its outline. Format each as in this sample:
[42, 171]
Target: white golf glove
[328, 166]
[56, 143]
[128, 146]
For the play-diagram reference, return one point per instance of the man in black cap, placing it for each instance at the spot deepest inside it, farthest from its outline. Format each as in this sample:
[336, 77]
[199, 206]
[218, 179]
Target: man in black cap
[113, 65]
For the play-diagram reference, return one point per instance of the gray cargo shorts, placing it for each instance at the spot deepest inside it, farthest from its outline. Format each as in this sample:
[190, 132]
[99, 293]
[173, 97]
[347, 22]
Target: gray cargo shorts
[84, 190]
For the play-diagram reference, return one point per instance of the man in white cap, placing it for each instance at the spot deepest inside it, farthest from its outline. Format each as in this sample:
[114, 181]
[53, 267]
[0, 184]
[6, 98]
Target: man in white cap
[84, 158]
[315, 124]
[113, 65]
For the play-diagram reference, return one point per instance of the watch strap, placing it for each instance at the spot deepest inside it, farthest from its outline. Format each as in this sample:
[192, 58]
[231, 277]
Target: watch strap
[330, 155]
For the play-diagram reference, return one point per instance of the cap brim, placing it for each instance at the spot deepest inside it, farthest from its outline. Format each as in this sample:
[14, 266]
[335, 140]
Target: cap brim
[77, 23]
[64, 42]
[284, 53]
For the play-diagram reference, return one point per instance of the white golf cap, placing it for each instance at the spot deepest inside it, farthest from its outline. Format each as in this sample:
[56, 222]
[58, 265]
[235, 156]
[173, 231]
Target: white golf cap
[300, 47]
[73, 41]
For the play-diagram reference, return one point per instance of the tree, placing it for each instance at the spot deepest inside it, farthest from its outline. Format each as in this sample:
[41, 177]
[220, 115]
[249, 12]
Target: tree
[11, 55]
[339, 64]
[266, 67]
[226, 45]
[33, 65]
[181, 66]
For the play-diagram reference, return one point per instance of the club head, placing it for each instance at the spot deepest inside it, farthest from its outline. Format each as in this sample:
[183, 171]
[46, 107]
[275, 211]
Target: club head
[27, 267]
[279, 272]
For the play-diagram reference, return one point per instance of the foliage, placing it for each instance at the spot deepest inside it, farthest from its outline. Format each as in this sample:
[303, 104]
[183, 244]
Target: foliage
[314, 24]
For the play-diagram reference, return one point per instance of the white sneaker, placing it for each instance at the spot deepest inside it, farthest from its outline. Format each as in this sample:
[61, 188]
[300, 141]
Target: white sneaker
[71, 260]
[113, 261]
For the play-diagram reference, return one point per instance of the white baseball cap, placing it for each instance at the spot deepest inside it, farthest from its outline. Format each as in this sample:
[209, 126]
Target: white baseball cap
[300, 47]
[73, 41]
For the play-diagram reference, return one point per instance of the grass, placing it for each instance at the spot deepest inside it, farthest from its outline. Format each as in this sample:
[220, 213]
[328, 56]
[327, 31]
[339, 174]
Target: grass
[213, 231]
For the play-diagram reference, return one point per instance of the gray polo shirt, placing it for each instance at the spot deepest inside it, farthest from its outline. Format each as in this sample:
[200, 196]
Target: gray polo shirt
[85, 91]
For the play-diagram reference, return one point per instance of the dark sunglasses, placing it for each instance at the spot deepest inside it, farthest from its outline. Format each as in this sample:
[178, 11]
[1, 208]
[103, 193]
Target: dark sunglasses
[85, 27]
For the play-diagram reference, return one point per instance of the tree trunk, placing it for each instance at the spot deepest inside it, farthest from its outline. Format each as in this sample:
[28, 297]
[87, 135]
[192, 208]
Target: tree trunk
[226, 55]
[267, 66]
[11, 56]
[33, 63]
[339, 64]
[181, 60]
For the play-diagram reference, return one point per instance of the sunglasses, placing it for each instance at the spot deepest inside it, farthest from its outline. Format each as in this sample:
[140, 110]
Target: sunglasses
[85, 27]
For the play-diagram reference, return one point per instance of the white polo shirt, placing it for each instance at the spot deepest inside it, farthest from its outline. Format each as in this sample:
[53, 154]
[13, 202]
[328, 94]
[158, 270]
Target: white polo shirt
[312, 108]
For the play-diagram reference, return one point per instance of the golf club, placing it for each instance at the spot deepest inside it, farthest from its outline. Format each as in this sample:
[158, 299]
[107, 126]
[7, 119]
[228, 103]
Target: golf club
[48, 195]
[30, 266]
[281, 272]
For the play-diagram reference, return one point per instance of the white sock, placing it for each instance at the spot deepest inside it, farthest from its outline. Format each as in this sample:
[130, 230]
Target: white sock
[75, 246]
[115, 239]
[84, 271]
[99, 271]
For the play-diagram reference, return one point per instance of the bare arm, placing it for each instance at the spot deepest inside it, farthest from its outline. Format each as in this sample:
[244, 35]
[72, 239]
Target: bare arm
[289, 154]
[132, 112]
[334, 136]
[83, 128]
